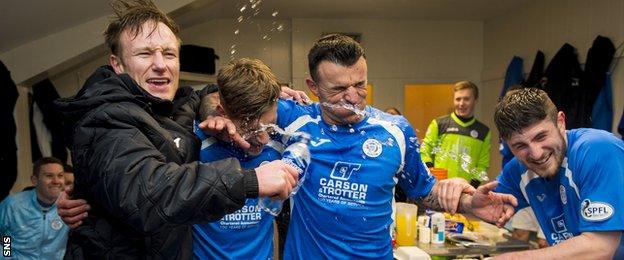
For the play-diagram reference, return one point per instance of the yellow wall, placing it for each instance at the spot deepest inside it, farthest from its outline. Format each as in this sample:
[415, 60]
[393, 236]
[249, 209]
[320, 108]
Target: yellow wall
[424, 102]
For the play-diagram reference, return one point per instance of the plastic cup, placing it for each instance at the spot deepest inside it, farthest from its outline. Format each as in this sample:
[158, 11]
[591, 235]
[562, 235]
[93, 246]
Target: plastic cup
[406, 228]
[439, 173]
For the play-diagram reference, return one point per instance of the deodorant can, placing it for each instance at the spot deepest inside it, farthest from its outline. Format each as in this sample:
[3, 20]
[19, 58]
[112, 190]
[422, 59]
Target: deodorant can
[437, 228]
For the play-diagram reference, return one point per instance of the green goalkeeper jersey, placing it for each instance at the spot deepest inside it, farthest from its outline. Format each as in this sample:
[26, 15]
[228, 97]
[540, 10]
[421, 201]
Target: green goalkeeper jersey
[463, 148]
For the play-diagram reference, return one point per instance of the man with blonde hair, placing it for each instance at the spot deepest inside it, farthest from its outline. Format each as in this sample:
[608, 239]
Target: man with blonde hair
[135, 154]
[458, 142]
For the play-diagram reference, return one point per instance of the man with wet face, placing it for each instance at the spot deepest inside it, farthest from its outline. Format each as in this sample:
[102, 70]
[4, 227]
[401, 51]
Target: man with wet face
[459, 142]
[135, 152]
[29, 217]
[571, 179]
[343, 210]
[248, 93]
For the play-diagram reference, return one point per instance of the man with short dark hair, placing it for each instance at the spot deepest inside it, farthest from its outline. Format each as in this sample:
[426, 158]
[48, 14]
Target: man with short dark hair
[135, 153]
[343, 210]
[29, 217]
[571, 179]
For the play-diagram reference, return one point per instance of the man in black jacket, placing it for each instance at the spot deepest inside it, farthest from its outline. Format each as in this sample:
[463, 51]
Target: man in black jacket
[135, 155]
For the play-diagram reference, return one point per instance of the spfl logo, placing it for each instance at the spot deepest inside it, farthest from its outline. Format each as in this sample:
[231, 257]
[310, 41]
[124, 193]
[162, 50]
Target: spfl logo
[596, 210]
[6, 246]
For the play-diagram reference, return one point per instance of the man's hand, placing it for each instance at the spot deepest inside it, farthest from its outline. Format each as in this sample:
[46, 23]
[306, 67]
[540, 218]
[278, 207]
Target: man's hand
[449, 193]
[297, 95]
[491, 206]
[224, 130]
[72, 212]
[276, 179]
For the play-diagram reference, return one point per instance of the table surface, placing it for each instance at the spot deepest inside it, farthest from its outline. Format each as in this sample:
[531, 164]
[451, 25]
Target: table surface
[508, 244]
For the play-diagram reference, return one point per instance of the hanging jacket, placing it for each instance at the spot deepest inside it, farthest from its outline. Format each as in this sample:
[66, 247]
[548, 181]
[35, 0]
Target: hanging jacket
[562, 85]
[535, 78]
[135, 162]
[597, 65]
[8, 148]
[514, 74]
[44, 94]
[602, 112]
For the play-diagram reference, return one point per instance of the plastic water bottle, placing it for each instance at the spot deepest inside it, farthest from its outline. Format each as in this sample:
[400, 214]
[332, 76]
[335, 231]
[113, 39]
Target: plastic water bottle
[438, 228]
[296, 155]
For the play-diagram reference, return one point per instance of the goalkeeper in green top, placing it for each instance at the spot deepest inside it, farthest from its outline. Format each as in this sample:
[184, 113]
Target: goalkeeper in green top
[459, 142]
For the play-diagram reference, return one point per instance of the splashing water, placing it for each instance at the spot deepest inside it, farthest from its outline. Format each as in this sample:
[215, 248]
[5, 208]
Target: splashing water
[247, 11]
[463, 158]
[347, 106]
[273, 128]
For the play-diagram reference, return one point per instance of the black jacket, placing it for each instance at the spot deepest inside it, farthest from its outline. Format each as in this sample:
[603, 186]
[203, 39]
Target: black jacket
[135, 159]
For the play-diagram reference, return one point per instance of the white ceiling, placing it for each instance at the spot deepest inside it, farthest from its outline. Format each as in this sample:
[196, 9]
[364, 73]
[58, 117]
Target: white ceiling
[22, 21]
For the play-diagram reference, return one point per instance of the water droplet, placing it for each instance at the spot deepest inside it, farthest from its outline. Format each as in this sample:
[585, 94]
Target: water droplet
[351, 130]
[264, 37]
[253, 6]
[275, 13]
[240, 19]
[236, 32]
[280, 27]
[232, 52]
[334, 128]
[362, 132]
[242, 9]
[363, 218]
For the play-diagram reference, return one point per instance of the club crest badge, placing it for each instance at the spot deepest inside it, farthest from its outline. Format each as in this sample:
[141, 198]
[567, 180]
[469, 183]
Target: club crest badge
[56, 224]
[474, 133]
[372, 148]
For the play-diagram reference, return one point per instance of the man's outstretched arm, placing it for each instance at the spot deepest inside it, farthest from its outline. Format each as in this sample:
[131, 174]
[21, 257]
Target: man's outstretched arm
[587, 245]
[490, 206]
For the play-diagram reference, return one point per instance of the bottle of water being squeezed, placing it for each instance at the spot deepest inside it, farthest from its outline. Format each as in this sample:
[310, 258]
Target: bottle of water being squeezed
[296, 155]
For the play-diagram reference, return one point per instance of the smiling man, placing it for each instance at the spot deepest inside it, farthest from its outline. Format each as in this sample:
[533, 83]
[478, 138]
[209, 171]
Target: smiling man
[459, 142]
[571, 179]
[135, 153]
[30, 219]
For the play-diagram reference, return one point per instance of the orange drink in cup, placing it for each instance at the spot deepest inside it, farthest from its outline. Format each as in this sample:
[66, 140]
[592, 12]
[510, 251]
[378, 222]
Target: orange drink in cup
[439, 173]
[406, 227]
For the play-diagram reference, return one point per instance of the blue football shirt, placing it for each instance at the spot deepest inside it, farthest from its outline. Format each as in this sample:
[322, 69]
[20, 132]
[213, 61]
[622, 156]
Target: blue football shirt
[585, 196]
[343, 209]
[246, 233]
